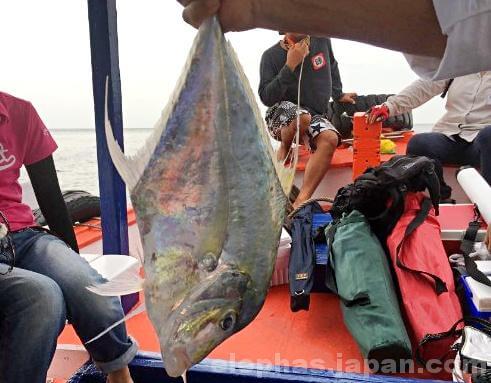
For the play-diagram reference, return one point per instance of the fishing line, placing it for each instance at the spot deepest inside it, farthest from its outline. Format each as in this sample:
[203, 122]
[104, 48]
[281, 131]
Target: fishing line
[297, 133]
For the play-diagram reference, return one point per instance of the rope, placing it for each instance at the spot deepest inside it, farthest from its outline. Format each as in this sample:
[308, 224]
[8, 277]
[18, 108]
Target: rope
[320, 199]
[98, 227]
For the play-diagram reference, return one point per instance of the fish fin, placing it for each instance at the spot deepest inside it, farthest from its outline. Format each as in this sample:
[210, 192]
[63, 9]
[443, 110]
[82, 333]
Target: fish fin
[128, 282]
[125, 165]
[286, 173]
[128, 316]
[138, 254]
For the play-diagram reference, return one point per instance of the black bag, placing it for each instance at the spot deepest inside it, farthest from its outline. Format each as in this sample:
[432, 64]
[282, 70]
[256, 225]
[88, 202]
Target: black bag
[379, 192]
[473, 358]
[302, 257]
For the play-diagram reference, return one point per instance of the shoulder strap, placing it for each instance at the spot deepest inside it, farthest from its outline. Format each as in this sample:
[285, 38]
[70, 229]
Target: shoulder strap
[483, 325]
[440, 285]
[467, 246]
[430, 338]
[330, 280]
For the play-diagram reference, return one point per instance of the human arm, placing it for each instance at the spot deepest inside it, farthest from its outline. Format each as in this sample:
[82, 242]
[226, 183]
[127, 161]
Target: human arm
[38, 160]
[364, 21]
[337, 85]
[414, 95]
[48, 194]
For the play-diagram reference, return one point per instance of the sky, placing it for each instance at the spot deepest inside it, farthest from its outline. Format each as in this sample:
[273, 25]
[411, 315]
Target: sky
[45, 58]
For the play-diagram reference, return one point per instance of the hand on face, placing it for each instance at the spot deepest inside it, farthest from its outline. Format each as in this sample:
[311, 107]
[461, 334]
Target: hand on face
[296, 54]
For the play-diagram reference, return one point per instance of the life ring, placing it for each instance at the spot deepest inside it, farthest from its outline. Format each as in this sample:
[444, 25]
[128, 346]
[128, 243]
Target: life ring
[344, 124]
[81, 205]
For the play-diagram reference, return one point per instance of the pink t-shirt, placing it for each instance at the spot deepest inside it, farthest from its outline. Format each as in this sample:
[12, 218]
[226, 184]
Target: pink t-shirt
[24, 140]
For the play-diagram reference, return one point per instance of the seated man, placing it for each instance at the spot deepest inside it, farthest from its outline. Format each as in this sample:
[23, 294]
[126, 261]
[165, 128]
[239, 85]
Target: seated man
[42, 280]
[278, 89]
[463, 135]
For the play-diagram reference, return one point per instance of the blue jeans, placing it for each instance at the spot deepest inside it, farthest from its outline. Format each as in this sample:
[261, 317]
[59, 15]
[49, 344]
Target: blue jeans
[46, 287]
[455, 151]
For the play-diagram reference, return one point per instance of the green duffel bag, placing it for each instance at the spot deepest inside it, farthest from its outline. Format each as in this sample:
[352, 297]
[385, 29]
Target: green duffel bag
[358, 271]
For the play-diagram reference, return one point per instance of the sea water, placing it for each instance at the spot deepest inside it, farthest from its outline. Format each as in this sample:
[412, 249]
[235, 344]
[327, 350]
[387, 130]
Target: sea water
[76, 157]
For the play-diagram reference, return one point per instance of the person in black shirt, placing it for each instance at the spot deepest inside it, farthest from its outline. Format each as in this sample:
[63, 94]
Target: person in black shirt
[278, 89]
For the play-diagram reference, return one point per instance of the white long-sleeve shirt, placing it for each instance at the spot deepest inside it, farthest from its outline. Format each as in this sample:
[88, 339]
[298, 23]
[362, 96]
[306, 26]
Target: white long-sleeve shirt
[468, 103]
[467, 25]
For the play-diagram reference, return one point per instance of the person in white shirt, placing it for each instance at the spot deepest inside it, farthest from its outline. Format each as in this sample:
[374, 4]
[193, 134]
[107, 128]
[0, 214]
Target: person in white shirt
[463, 135]
[441, 39]
[467, 25]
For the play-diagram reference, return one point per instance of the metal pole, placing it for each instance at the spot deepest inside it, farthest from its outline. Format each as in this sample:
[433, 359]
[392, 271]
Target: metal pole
[105, 63]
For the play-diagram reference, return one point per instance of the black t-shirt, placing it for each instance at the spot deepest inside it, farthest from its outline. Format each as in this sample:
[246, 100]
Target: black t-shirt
[320, 78]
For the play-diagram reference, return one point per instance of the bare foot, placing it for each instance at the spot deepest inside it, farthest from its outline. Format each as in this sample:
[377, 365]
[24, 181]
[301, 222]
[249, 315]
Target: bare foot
[301, 198]
[120, 376]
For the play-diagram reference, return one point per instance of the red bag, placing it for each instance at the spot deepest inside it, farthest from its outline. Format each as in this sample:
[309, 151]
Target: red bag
[429, 301]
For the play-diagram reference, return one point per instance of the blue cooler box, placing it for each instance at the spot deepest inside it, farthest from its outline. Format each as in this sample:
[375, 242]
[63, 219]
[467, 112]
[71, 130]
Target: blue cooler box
[476, 304]
[321, 219]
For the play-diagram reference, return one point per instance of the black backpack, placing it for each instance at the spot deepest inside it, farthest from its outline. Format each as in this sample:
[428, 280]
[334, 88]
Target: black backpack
[379, 192]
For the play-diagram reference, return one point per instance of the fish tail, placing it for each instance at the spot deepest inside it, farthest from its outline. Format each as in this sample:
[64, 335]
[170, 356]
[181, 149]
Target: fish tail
[128, 282]
[126, 166]
[130, 315]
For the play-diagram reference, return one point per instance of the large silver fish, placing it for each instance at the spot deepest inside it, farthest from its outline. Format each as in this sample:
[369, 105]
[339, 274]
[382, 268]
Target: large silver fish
[209, 206]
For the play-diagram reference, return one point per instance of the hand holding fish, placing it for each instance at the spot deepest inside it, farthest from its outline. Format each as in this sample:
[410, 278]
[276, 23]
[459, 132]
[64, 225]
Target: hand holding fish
[291, 15]
[234, 15]
[296, 54]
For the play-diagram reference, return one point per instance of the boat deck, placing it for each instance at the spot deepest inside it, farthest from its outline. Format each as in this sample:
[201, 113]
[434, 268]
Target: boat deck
[317, 339]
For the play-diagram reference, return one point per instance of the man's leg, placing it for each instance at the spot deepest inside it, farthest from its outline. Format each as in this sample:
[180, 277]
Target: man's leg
[326, 140]
[281, 120]
[439, 147]
[287, 135]
[482, 143]
[89, 313]
[32, 315]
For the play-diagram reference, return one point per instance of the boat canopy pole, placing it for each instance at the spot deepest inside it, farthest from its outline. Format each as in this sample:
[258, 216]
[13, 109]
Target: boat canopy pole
[105, 63]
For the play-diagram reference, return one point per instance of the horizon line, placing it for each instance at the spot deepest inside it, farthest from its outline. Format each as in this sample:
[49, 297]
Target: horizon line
[93, 129]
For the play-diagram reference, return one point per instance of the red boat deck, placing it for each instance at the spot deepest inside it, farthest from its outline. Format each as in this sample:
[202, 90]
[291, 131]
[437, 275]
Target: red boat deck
[314, 339]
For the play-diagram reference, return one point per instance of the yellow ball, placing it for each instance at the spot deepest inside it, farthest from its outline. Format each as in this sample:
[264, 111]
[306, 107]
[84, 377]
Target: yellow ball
[387, 147]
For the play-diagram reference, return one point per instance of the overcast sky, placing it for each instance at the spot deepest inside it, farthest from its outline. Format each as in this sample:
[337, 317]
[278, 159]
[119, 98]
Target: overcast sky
[46, 59]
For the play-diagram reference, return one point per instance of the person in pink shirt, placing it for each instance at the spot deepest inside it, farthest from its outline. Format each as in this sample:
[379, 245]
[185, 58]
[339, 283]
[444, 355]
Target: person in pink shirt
[43, 280]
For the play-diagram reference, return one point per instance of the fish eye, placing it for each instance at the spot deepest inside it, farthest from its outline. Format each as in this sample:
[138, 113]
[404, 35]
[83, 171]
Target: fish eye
[227, 322]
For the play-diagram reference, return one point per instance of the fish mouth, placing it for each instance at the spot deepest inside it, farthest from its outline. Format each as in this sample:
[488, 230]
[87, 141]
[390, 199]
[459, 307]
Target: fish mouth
[177, 361]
